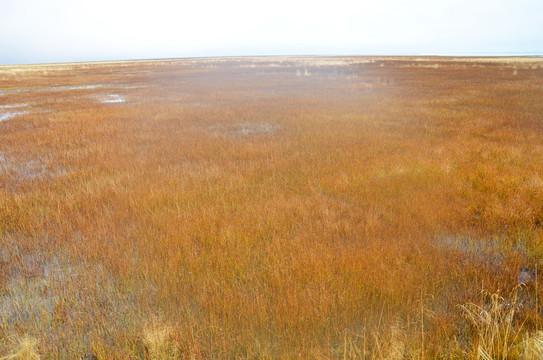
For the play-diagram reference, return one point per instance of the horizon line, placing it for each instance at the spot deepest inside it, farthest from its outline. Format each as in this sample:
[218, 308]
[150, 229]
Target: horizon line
[536, 54]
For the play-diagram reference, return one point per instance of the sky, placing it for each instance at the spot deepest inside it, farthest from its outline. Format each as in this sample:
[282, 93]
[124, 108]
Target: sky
[40, 31]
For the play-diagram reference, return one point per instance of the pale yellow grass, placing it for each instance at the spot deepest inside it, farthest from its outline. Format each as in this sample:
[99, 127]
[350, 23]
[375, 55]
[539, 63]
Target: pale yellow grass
[25, 350]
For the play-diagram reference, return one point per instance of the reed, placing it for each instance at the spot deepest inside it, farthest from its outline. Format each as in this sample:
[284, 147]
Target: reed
[261, 214]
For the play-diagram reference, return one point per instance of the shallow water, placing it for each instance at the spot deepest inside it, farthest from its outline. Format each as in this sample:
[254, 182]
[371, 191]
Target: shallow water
[249, 129]
[29, 169]
[6, 115]
[11, 114]
[14, 106]
[73, 87]
[111, 98]
[244, 130]
[54, 88]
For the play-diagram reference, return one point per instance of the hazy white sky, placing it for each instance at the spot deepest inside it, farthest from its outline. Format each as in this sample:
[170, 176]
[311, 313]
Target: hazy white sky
[80, 30]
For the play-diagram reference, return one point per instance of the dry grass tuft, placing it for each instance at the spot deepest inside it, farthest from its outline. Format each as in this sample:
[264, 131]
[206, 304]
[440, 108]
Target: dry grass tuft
[26, 349]
[392, 348]
[532, 346]
[159, 342]
[495, 325]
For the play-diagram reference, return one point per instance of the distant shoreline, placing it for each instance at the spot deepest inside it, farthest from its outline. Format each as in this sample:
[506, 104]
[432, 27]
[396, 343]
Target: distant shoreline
[475, 57]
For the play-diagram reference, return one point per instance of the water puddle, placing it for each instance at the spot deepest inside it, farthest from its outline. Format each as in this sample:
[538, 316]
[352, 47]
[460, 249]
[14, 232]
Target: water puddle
[488, 252]
[27, 170]
[11, 114]
[244, 130]
[69, 88]
[251, 129]
[36, 286]
[15, 106]
[111, 99]
[73, 87]
[7, 113]
[53, 88]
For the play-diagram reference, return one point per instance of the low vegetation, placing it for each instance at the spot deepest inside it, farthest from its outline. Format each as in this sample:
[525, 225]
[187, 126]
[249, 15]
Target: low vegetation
[272, 208]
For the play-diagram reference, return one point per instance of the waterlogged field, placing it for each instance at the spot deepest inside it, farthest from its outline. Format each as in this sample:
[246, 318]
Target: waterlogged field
[272, 208]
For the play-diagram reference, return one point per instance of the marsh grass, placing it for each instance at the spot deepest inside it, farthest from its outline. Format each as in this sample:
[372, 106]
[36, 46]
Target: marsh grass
[532, 346]
[159, 342]
[25, 349]
[345, 214]
[498, 332]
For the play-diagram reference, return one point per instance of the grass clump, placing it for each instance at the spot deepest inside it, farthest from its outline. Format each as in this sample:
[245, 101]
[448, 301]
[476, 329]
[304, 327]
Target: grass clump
[159, 341]
[496, 325]
[25, 349]
[532, 346]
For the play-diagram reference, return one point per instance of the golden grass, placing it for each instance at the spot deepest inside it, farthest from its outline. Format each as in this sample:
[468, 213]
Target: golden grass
[494, 325]
[26, 350]
[157, 338]
[262, 215]
[533, 346]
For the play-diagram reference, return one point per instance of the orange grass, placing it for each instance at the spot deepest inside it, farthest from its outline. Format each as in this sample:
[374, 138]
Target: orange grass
[269, 208]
